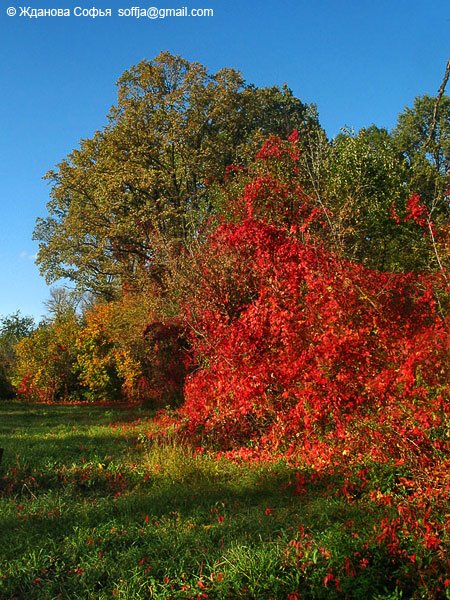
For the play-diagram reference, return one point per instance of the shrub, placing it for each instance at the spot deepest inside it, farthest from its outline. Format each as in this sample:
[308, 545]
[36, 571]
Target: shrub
[46, 368]
[290, 340]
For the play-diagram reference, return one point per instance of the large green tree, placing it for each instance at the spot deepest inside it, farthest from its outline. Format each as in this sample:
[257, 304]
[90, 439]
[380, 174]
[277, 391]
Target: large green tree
[371, 175]
[365, 177]
[143, 182]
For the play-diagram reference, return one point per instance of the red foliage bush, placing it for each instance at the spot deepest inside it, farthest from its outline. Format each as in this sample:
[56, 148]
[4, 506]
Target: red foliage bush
[296, 336]
[289, 339]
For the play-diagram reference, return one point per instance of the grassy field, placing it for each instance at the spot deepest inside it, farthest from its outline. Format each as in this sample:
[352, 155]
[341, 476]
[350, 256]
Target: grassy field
[90, 509]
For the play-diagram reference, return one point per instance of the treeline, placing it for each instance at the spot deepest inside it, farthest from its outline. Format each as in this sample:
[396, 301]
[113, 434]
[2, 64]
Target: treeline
[141, 221]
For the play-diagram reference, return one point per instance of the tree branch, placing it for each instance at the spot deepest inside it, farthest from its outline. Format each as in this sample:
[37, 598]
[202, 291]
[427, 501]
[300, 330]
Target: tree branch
[436, 106]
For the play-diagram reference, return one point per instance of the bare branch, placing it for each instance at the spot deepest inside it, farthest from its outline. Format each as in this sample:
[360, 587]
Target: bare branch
[436, 106]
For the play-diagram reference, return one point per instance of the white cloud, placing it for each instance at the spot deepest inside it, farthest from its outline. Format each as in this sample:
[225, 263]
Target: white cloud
[26, 255]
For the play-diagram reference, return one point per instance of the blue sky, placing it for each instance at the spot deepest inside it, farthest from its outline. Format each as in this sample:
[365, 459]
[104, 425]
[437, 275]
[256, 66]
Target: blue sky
[361, 62]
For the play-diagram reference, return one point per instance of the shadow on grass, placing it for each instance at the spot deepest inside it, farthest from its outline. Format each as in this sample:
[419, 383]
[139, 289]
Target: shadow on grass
[207, 505]
[32, 435]
[61, 514]
[16, 414]
[179, 528]
[82, 454]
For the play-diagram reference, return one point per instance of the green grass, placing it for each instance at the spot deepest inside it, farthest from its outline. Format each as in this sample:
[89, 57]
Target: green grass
[89, 510]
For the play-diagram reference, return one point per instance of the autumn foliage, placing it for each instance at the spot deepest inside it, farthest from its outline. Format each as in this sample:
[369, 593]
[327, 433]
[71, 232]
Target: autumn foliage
[46, 369]
[289, 339]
